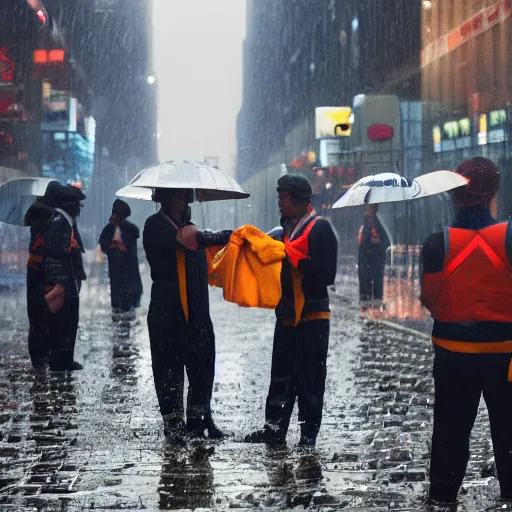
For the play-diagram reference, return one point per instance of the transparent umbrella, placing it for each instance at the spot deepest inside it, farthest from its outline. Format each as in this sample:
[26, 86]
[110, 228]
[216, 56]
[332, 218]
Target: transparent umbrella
[208, 183]
[17, 195]
[389, 187]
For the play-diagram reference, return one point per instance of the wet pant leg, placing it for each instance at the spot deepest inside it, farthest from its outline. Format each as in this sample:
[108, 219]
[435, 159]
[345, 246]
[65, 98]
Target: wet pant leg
[498, 397]
[378, 279]
[61, 329]
[365, 281]
[38, 343]
[457, 396]
[200, 365]
[282, 392]
[166, 337]
[310, 370]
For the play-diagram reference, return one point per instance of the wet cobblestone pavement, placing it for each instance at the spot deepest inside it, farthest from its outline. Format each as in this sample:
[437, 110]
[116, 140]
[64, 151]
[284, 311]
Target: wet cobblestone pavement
[93, 440]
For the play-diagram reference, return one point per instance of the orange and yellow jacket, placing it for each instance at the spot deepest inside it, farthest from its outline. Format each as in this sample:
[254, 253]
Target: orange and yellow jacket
[248, 269]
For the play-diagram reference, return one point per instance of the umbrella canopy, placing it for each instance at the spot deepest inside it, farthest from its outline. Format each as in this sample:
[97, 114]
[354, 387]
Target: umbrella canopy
[17, 196]
[209, 183]
[389, 187]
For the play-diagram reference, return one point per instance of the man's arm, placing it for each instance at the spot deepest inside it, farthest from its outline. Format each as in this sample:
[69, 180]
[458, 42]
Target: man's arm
[432, 262]
[320, 268]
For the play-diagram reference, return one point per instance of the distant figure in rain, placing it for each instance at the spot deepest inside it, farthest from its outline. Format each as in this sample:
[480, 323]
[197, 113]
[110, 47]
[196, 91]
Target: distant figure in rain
[118, 241]
[180, 328]
[373, 243]
[467, 286]
[54, 276]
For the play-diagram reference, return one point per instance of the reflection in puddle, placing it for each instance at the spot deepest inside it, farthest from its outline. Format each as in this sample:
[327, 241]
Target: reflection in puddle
[186, 479]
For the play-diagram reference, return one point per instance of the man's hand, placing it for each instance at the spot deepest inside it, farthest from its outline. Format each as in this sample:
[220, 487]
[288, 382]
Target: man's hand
[187, 236]
[55, 298]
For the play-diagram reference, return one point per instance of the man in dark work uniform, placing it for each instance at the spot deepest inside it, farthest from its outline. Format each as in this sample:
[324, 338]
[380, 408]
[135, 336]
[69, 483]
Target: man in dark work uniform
[180, 328]
[467, 286]
[53, 285]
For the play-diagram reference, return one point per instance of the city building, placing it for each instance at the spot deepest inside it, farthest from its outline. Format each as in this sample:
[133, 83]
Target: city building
[467, 84]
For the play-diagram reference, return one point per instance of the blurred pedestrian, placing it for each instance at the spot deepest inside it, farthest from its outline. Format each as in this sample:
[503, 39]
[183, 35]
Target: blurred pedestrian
[467, 286]
[118, 241]
[180, 328]
[54, 276]
[373, 244]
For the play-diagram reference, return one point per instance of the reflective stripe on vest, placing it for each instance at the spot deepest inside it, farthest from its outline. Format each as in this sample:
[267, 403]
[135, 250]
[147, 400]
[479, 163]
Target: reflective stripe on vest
[475, 286]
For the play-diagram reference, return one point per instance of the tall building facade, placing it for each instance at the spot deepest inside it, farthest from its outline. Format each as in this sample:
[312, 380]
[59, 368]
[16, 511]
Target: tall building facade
[467, 83]
[300, 55]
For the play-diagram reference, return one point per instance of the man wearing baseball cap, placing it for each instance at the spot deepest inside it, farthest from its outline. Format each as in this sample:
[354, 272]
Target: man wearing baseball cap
[467, 286]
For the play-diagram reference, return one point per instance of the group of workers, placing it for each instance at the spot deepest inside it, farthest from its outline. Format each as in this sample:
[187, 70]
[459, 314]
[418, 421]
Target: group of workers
[466, 285]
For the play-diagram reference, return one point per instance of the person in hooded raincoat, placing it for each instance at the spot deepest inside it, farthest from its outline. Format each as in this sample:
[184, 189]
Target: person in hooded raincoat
[54, 276]
[301, 337]
[118, 241]
[180, 328]
[373, 243]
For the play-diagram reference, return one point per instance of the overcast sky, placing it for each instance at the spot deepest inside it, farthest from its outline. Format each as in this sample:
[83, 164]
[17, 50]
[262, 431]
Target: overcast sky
[198, 63]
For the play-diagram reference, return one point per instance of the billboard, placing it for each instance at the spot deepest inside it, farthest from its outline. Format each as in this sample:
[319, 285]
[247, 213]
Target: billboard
[332, 122]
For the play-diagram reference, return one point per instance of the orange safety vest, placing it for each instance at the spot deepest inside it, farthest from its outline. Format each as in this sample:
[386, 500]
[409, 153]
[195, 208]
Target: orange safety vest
[475, 285]
[296, 250]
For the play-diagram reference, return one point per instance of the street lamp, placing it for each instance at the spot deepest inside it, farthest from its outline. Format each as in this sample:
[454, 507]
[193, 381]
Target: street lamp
[151, 79]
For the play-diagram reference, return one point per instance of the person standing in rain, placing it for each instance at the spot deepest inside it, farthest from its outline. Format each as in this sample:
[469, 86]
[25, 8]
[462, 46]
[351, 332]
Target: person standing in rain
[373, 243]
[55, 274]
[180, 328]
[467, 286]
[301, 335]
[118, 241]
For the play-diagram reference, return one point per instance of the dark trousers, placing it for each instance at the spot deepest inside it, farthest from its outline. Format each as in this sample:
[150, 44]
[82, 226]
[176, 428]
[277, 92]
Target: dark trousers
[52, 336]
[460, 380]
[299, 367]
[371, 278]
[175, 346]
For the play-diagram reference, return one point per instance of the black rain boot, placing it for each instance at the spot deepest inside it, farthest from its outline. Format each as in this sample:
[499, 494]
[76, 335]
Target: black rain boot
[214, 432]
[174, 428]
[266, 435]
[196, 428]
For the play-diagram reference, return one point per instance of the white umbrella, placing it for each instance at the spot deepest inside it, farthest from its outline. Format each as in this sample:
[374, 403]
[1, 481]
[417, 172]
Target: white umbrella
[209, 183]
[16, 197]
[389, 187]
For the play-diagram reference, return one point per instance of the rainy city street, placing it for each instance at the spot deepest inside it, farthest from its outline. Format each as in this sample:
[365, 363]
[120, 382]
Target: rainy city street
[93, 440]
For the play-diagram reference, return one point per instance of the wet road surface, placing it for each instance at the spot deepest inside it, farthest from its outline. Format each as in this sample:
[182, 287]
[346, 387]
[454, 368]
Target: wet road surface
[93, 440]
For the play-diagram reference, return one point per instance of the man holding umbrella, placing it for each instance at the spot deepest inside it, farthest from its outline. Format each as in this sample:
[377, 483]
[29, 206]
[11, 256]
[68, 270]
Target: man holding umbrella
[180, 328]
[467, 286]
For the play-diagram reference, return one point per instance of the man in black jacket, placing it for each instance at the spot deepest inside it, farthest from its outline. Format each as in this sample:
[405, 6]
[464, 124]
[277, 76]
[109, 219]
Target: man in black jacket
[118, 241]
[54, 283]
[180, 328]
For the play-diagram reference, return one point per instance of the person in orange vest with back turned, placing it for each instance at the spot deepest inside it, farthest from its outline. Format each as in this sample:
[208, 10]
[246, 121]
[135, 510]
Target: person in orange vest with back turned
[467, 286]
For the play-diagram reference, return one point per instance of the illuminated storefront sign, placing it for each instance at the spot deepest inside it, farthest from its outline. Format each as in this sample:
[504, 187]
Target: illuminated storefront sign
[332, 122]
[452, 135]
[471, 28]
